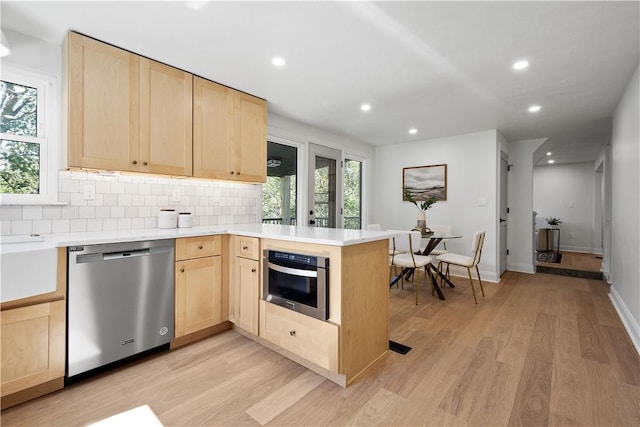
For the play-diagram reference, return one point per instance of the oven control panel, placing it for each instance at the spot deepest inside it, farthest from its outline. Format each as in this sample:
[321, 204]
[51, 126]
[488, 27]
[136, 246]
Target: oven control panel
[300, 259]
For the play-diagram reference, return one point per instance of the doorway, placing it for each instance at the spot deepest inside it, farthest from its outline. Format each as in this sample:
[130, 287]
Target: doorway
[504, 211]
[325, 181]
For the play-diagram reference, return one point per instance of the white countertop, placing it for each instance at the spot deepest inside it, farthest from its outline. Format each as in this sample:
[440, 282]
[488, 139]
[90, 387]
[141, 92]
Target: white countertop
[325, 236]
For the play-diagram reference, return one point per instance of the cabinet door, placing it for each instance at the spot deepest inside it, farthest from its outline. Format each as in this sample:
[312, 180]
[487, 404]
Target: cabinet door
[246, 294]
[249, 157]
[165, 119]
[198, 294]
[103, 105]
[213, 111]
[33, 345]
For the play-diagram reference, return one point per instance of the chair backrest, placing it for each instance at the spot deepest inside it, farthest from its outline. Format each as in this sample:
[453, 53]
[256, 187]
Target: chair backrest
[407, 241]
[478, 242]
[374, 227]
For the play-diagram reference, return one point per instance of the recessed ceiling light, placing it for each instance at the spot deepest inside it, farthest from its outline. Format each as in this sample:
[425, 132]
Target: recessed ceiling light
[534, 108]
[550, 161]
[365, 107]
[278, 61]
[413, 131]
[520, 65]
[548, 153]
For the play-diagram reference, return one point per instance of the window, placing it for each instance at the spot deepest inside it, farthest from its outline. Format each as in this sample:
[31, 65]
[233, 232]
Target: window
[28, 143]
[352, 194]
[279, 194]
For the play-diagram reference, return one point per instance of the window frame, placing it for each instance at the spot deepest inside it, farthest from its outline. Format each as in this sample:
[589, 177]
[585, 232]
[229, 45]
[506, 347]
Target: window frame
[47, 138]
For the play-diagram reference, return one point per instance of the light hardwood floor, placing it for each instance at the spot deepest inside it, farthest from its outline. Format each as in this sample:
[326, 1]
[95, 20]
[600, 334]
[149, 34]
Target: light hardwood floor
[576, 261]
[537, 350]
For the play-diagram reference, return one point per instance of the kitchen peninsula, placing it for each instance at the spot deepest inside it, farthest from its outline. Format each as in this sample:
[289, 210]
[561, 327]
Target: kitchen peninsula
[355, 333]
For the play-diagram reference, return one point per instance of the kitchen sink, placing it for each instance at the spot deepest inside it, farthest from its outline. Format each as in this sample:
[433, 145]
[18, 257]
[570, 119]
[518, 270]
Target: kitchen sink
[28, 267]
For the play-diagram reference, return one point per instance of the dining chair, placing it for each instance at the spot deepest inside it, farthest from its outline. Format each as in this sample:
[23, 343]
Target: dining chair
[466, 261]
[406, 241]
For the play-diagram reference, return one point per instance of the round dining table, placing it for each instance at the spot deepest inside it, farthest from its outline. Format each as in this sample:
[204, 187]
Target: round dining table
[433, 239]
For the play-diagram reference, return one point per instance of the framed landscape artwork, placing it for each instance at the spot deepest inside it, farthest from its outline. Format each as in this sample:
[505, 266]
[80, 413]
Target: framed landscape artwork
[425, 181]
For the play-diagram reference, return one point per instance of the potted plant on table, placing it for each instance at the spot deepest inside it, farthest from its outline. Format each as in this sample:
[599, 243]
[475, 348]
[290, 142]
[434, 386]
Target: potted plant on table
[422, 206]
[553, 222]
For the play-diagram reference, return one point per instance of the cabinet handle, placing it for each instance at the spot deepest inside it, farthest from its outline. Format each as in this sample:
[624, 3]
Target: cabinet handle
[144, 163]
[200, 247]
[182, 270]
[253, 270]
[232, 172]
[244, 248]
[135, 162]
[292, 333]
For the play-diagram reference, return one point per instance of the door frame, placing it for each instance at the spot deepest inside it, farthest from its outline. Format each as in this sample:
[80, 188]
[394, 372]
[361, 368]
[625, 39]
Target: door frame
[329, 153]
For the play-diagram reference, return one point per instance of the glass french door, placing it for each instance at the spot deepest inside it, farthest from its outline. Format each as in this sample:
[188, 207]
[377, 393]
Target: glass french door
[352, 194]
[325, 183]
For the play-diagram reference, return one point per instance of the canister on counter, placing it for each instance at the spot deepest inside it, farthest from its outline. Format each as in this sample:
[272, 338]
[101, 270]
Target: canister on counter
[184, 219]
[167, 218]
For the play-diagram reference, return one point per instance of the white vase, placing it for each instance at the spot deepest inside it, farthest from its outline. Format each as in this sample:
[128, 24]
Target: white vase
[422, 222]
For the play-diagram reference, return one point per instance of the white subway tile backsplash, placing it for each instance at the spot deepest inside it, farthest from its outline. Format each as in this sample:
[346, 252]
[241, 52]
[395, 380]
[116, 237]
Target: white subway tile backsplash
[132, 202]
[117, 187]
[94, 225]
[60, 226]
[87, 212]
[10, 213]
[68, 185]
[109, 224]
[78, 225]
[21, 227]
[32, 212]
[124, 199]
[103, 212]
[69, 212]
[117, 212]
[124, 223]
[43, 226]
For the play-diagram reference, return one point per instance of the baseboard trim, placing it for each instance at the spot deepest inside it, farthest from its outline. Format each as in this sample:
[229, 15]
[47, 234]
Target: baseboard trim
[630, 324]
[522, 268]
[32, 393]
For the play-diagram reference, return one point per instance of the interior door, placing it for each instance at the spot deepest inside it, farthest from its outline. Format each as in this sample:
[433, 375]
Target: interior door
[325, 184]
[504, 168]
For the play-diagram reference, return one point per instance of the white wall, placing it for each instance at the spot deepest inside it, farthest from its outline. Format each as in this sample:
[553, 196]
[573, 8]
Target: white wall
[625, 210]
[520, 195]
[472, 171]
[566, 191]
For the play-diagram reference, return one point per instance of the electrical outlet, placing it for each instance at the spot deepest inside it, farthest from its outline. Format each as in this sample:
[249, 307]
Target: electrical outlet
[89, 192]
[175, 195]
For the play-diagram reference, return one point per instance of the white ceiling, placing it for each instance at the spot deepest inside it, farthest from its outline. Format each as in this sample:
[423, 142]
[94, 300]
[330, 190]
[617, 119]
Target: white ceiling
[441, 67]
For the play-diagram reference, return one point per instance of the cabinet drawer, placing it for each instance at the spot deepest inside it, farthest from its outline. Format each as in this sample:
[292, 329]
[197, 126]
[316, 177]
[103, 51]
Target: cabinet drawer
[198, 247]
[309, 338]
[247, 247]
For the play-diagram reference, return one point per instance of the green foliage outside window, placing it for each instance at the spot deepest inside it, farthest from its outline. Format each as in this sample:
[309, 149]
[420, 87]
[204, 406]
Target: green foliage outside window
[19, 161]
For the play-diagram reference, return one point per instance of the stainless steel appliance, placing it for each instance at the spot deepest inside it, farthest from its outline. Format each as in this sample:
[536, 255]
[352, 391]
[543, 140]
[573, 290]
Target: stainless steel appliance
[297, 281]
[120, 301]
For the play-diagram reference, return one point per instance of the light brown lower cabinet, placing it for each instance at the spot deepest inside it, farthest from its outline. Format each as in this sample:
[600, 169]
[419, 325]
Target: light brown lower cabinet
[312, 339]
[199, 292]
[33, 351]
[244, 282]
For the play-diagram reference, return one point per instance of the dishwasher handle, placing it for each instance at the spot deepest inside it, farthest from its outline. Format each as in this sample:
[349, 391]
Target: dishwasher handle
[125, 254]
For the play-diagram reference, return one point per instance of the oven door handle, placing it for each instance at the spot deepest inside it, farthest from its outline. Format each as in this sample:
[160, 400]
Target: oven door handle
[292, 271]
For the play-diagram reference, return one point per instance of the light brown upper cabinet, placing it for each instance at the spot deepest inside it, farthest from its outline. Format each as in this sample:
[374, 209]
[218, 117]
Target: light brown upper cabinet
[103, 97]
[126, 112]
[165, 119]
[229, 133]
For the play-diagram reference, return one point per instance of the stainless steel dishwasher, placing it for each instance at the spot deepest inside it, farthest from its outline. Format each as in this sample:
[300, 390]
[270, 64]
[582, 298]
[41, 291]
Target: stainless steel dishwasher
[119, 301]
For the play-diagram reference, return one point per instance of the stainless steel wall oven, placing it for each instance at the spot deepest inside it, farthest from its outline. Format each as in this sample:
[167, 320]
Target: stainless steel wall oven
[298, 282]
